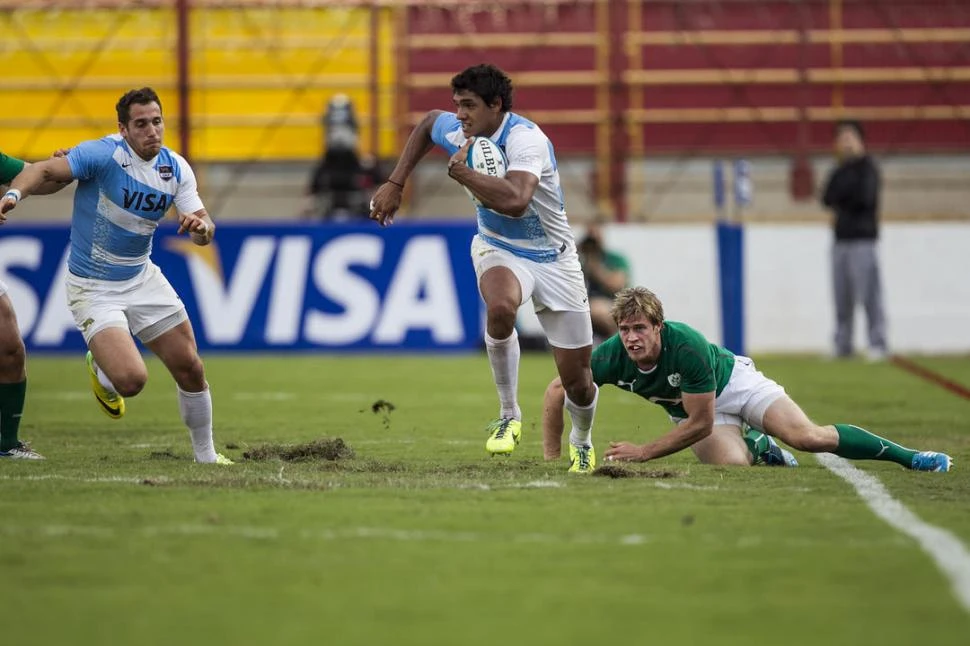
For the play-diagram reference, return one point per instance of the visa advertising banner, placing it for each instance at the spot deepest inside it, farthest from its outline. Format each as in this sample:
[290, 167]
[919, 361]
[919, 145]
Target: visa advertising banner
[278, 287]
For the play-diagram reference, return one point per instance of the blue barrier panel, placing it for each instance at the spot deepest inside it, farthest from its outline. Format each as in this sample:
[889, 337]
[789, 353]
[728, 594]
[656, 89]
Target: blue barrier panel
[280, 286]
[730, 252]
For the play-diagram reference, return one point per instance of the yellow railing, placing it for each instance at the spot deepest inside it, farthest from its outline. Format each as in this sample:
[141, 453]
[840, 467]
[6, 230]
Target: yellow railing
[259, 77]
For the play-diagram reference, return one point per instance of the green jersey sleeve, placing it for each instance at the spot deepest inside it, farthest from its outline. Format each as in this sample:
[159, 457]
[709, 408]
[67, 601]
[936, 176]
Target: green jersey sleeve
[692, 358]
[10, 167]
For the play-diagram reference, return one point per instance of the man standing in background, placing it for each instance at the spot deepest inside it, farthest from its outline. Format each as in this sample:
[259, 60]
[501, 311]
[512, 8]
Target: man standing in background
[852, 193]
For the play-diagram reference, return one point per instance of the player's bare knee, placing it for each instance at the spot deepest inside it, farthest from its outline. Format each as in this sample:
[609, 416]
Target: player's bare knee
[130, 382]
[190, 377]
[554, 388]
[500, 325]
[501, 318]
[13, 360]
[579, 389]
[811, 439]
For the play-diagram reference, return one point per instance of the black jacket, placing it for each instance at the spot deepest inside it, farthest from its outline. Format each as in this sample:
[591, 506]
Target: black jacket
[852, 192]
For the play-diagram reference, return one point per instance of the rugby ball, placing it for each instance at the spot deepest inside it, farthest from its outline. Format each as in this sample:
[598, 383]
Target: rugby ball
[485, 157]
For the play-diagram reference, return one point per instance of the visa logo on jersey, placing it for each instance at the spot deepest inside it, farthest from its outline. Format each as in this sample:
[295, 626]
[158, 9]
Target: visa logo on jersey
[141, 201]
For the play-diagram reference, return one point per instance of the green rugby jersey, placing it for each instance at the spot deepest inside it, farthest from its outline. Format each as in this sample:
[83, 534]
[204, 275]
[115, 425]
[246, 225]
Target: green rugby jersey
[10, 167]
[688, 363]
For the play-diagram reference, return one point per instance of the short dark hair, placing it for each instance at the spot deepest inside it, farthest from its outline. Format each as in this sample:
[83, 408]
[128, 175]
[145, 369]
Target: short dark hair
[851, 124]
[488, 82]
[142, 96]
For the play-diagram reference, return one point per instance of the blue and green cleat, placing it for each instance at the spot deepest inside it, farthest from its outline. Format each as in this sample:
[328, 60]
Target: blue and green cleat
[931, 461]
[776, 456]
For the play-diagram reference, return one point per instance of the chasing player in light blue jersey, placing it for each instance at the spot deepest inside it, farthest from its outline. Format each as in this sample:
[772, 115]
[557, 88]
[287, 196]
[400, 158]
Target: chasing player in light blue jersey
[126, 184]
[524, 248]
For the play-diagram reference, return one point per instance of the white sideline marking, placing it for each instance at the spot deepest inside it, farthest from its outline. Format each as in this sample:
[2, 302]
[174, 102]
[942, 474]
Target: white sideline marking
[542, 484]
[62, 395]
[264, 396]
[949, 553]
[270, 533]
[684, 485]
[534, 484]
[85, 395]
[113, 479]
[279, 479]
[323, 534]
[413, 441]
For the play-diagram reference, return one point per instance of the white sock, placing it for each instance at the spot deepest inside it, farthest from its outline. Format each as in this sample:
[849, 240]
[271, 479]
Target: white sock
[581, 433]
[103, 378]
[196, 410]
[503, 356]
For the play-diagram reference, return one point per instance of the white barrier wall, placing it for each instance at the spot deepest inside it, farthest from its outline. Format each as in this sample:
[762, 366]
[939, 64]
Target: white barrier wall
[788, 293]
[925, 271]
[679, 264]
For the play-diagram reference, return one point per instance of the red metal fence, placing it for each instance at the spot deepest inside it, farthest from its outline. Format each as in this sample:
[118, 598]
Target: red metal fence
[628, 78]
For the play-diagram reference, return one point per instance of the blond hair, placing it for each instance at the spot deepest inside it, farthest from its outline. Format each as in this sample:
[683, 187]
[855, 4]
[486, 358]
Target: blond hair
[637, 301]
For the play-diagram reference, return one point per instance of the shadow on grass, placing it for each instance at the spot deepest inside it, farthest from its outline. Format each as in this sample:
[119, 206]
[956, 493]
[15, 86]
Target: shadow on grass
[166, 454]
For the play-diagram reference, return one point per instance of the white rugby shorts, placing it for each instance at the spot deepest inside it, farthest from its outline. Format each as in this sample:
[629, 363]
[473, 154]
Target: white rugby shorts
[557, 290]
[3, 288]
[138, 304]
[746, 397]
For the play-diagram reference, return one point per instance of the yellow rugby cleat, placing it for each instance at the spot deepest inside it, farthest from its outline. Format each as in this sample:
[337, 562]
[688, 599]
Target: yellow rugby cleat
[111, 402]
[221, 459]
[582, 459]
[505, 434]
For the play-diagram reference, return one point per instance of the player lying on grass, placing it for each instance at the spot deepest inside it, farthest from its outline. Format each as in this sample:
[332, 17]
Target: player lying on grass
[711, 395]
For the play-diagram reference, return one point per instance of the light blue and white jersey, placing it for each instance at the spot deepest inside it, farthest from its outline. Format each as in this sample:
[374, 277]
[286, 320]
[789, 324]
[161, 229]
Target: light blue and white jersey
[119, 200]
[542, 233]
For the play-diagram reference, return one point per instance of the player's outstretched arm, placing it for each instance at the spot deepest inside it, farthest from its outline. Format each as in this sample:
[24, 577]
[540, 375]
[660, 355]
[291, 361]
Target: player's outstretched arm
[31, 179]
[698, 425]
[199, 226]
[552, 419]
[387, 198]
[52, 187]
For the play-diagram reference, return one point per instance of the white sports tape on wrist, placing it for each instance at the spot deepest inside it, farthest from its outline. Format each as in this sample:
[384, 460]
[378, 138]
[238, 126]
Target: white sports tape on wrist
[14, 193]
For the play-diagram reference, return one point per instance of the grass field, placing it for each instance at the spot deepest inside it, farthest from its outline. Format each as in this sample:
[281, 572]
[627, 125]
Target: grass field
[421, 539]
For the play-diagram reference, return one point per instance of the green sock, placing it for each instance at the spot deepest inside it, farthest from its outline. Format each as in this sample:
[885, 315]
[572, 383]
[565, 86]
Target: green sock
[11, 408]
[757, 442]
[859, 444]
